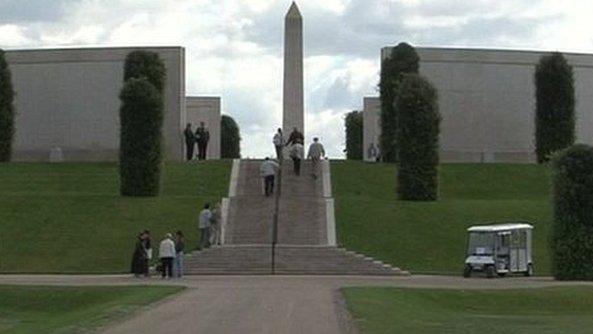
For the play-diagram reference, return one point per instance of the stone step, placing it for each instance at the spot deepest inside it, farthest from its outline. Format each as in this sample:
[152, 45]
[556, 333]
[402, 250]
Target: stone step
[294, 260]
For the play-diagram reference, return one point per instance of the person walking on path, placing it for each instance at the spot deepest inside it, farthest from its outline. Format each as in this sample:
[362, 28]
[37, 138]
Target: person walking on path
[179, 252]
[167, 254]
[139, 258]
[279, 144]
[297, 152]
[202, 137]
[190, 142]
[316, 152]
[204, 222]
[215, 226]
[268, 171]
[295, 137]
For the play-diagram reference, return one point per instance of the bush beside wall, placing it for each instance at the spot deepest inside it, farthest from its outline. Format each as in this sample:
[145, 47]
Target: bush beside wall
[230, 138]
[6, 110]
[555, 103]
[572, 230]
[418, 139]
[354, 135]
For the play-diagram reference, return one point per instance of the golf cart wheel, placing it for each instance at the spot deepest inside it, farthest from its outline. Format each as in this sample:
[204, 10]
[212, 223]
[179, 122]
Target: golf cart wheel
[467, 271]
[501, 274]
[490, 271]
[529, 271]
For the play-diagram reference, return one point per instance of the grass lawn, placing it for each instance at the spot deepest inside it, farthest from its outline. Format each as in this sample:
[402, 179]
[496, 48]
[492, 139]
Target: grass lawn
[36, 309]
[547, 310]
[70, 218]
[431, 236]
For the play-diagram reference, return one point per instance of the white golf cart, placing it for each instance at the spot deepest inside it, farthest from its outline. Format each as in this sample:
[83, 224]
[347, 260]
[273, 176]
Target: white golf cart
[499, 249]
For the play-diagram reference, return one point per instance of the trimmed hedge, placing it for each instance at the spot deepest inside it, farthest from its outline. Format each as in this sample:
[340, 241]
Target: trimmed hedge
[555, 103]
[418, 138]
[230, 138]
[6, 110]
[403, 59]
[146, 64]
[354, 133]
[572, 230]
[140, 154]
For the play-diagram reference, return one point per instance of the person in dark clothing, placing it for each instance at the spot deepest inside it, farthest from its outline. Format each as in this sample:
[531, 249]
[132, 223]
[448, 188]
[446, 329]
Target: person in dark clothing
[295, 137]
[202, 138]
[190, 142]
[139, 259]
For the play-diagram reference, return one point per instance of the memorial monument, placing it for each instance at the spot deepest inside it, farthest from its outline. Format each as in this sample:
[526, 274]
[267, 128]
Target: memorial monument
[293, 111]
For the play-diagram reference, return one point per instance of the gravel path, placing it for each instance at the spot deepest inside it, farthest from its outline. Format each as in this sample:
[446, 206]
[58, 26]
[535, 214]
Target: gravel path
[262, 304]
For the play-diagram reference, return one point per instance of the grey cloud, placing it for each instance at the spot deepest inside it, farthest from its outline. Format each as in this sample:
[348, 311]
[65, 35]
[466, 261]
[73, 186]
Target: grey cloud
[367, 25]
[30, 11]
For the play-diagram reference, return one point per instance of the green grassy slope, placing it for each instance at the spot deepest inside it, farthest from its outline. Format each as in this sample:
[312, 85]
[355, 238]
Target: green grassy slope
[393, 310]
[31, 309]
[431, 236]
[70, 217]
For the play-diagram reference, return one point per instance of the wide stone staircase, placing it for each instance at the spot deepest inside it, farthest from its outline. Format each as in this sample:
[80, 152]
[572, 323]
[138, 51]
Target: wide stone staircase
[305, 240]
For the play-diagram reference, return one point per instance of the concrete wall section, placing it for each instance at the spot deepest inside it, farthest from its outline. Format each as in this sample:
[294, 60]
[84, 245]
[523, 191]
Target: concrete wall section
[69, 98]
[371, 123]
[487, 101]
[206, 109]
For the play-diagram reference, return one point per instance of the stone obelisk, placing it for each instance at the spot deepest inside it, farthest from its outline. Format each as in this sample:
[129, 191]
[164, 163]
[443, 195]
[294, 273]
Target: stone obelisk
[293, 111]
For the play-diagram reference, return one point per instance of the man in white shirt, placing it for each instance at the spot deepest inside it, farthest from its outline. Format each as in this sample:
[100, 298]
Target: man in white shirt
[316, 153]
[167, 254]
[204, 226]
[268, 171]
[279, 144]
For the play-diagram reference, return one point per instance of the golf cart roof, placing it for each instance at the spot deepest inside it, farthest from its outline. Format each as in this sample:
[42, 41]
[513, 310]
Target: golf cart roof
[500, 227]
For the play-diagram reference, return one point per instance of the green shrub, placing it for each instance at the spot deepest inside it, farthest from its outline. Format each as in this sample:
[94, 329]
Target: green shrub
[572, 231]
[403, 59]
[418, 138]
[146, 64]
[230, 138]
[354, 149]
[140, 155]
[6, 110]
[555, 103]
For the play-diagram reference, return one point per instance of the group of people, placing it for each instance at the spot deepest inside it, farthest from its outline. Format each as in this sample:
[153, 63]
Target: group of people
[170, 254]
[200, 137]
[294, 146]
[171, 249]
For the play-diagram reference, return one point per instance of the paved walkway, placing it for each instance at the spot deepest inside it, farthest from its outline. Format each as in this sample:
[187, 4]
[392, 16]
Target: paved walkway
[262, 304]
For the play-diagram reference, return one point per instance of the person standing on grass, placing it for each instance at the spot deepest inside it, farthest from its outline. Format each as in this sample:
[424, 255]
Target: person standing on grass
[190, 142]
[316, 153]
[202, 137]
[205, 220]
[167, 254]
[268, 171]
[215, 227]
[179, 252]
[139, 257]
[295, 136]
[279, 144]
[297, 152]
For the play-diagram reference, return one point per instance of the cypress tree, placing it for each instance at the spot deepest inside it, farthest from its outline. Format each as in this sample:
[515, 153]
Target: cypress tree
[555, 103]
[354, 135]
[572, 229]
[6, 110]
[418, 139]
[403, 59]
[140, 154]
[230, 138]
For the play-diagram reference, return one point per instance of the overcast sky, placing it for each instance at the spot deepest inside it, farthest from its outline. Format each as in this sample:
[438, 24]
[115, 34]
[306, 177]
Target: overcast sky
[234, 47]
